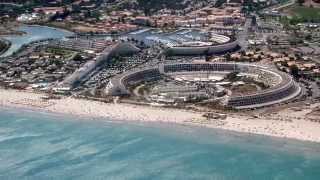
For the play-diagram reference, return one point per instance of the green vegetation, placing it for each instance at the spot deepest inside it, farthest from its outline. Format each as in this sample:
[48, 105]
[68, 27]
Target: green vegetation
[78, 57]
[303, 14]
[67, 54]
[294, 71]
[307, 12]
[3, 46]
[10, 10]
[233, 76]
[300, 2]
[92, 14]
[154, 5]
[219, 3]
[252, 6]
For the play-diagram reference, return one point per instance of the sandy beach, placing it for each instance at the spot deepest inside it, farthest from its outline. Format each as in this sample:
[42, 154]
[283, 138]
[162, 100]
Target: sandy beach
[287, 123]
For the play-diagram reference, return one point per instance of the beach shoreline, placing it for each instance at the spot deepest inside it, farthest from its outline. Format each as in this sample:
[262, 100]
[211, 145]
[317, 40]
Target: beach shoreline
[286, 123]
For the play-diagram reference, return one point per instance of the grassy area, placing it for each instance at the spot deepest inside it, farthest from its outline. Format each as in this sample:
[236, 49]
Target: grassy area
[67, 54]
[307, 12]
[304, 14]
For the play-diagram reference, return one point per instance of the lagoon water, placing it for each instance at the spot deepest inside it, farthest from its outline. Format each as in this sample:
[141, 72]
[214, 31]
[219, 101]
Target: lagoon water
[36, 145]
[33, 33]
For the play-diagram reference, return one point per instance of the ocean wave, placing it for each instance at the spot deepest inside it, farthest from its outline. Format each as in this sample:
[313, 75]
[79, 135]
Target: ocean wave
[6, 138]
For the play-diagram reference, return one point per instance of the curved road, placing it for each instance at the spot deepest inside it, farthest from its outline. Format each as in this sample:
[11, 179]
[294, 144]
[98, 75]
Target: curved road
[11, 4]
[289, 3]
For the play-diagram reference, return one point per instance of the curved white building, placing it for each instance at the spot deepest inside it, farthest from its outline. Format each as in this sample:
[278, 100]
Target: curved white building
[282, 87]
[217, 44]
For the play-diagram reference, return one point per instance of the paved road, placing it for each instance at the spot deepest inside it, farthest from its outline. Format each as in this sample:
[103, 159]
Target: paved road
[287, 4]
[243, 35]
[11, 4]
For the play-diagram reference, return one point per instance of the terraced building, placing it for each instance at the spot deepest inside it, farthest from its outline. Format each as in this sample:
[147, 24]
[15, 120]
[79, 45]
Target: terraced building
[280, 86]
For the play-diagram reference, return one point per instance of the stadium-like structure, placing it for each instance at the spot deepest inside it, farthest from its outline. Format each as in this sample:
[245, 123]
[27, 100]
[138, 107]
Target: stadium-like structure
[281, 87]
[187, 41]
[218, 44]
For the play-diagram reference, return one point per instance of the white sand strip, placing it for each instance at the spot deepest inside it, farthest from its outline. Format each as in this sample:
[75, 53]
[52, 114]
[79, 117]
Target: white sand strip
[286, 124]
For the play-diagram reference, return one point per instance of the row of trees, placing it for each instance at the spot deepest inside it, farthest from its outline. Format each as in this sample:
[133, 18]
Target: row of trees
[154, 5]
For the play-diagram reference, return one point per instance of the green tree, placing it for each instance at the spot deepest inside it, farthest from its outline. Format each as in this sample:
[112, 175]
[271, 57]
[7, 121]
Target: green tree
[78, 57]
[300, 2]
[294, 71]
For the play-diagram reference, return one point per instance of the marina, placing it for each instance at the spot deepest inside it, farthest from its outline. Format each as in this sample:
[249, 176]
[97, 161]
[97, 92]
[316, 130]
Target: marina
[32, 34]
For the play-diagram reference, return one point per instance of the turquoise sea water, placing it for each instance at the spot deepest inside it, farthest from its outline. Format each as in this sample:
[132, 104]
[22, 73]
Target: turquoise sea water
[35, 145]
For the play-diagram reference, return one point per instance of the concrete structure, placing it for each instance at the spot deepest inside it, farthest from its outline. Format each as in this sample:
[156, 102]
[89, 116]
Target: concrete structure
[281, 86]
[218, 44]
[81, 74]
[186, 41]
[84, 45]
[202, 50]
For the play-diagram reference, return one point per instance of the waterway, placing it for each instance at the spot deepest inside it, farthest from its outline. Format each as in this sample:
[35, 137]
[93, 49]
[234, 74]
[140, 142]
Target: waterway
[32, 34]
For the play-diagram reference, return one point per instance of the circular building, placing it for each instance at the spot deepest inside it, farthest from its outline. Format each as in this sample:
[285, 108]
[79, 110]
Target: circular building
[187, 41]
[216, 44]
[277, 86]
